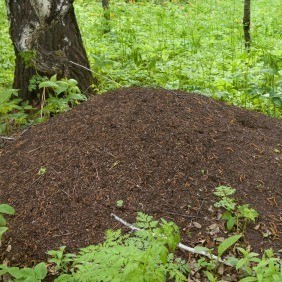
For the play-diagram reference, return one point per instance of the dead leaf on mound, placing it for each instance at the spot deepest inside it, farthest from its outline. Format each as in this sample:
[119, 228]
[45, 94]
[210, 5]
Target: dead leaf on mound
[214, 229]
[197, 225]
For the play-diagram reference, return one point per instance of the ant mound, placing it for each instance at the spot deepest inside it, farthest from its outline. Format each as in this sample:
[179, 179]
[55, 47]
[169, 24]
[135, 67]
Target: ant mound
[160, 152]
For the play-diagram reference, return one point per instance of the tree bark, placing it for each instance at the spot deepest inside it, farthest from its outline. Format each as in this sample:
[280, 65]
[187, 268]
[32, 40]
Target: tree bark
[247, 23]
[46, 40]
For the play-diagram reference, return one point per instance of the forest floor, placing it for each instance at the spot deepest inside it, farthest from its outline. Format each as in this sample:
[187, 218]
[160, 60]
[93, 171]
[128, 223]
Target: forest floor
[161, 152]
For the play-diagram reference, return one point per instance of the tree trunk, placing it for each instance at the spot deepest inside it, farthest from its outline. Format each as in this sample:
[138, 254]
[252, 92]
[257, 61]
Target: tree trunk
[247, 23]
[46, 41]
[107, 15]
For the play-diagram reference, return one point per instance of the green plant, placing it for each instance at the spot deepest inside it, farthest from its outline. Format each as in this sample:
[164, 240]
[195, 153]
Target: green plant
[225, 202]
[4, 209]
[204, 263]
[12, 112]
[58, 95]
[60, 259]
[235, 215]
[247, 214]
[266, 269]
[210, 276]
[42, 171]
[209, 265]
[119, 203]
[143, 256]
[227, 243]
[249, 267]
[28, 57]
[16, 274]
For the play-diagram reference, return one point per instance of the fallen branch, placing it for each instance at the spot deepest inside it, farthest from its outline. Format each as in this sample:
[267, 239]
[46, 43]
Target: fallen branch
[7, 138]
[180, 245]
[131, 226]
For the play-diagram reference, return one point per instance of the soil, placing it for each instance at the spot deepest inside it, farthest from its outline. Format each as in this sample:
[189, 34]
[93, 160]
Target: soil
[161, 152]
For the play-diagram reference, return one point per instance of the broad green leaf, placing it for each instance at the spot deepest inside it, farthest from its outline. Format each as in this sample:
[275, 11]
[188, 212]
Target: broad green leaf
[40, 270]
[227, 243]
[248, 279]
[72, 82]
[210, 276]
[47, 84]
[226, 215]
[15, 272]
[7, 209]
[230, 223]
[2, 221]
[3, 269]
[54, 78]
[232, 260]
[27, 272]
[2, 231]
[240, 263]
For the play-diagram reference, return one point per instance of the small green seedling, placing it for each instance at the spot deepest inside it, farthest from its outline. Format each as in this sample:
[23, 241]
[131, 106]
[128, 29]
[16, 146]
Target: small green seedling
[119, 203]
[60, 259]
[42, 171]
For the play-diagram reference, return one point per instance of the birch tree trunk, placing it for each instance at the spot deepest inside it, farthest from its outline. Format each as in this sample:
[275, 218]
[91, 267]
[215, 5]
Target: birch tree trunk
[46, 38]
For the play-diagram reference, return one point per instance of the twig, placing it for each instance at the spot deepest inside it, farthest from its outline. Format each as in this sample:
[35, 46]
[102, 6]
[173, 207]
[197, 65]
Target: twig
[7, 138]
[42, 102]
[131, 226]
[184, 215]
[96, 73]
[180, 245]
[200, 207]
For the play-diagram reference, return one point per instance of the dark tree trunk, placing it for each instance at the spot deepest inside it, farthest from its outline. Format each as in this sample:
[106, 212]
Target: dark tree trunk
[46, 40]
[247, 23]
[107, 15]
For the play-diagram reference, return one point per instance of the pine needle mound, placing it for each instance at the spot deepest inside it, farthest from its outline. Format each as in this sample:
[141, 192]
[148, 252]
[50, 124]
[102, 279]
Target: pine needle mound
[160, 152]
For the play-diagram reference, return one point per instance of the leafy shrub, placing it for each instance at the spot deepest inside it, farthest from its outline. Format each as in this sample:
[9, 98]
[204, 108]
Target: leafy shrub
[57, 96]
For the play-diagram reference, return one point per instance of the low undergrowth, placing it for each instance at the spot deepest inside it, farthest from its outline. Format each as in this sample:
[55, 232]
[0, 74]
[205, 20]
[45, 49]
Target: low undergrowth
[194, 46]
[55, 96]
[148, 254]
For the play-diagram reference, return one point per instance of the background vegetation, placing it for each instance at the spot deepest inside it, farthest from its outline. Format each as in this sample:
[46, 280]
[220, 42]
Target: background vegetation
[188, 45]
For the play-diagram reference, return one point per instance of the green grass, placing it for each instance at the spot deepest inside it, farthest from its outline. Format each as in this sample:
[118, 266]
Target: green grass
[190, 45]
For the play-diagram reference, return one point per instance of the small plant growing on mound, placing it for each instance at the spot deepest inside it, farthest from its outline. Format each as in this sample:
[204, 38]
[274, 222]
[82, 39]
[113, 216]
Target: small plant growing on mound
[146, 256]
[235, 215]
